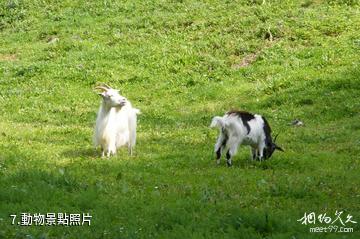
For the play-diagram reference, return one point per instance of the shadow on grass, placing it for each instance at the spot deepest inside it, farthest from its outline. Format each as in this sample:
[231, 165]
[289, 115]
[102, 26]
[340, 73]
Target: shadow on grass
[331, 97]
[81, 153]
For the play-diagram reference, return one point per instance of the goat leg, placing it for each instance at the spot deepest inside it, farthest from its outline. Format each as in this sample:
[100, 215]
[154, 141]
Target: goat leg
[254, 153]
[228, 158]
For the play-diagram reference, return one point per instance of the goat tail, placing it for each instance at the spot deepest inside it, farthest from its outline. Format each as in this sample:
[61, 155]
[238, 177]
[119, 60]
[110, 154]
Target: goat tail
[217, 121]
[132, 128]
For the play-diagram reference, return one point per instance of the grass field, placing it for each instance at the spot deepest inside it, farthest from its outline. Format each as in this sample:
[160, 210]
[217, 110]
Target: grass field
[181, 63]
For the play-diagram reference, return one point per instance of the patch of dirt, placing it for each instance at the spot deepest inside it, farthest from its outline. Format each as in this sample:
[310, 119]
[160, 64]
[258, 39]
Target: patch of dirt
[250, 58]
[8, 57]
[247, 60]
[52, 40]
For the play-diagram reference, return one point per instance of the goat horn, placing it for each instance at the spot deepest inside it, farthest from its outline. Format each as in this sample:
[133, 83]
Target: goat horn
[106, 86]
[101, 88]
[279, 148]
[103, 85]
[276, 137]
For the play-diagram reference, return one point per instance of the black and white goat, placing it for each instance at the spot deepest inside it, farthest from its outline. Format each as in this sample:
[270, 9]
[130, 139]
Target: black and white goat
[239, 127]
[115, 122]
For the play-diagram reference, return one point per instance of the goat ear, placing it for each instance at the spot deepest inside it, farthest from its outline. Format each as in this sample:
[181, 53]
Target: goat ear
[279, 148]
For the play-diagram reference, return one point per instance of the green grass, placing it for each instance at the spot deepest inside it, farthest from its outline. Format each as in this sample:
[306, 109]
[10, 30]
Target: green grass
[181, 63]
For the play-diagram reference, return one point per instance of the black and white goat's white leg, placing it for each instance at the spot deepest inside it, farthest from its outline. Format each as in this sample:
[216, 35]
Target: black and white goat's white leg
[254, 153]
[232, 147]
[219, 147]
[261, 148]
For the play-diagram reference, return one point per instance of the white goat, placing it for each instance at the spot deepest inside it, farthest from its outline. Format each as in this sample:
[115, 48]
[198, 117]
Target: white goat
[115, 122]
[239, 127]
